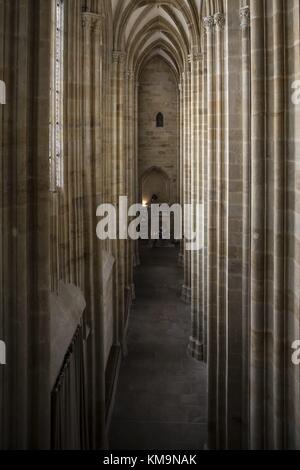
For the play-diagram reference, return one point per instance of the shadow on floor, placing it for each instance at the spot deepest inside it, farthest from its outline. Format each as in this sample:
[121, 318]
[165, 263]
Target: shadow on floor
[161, 396]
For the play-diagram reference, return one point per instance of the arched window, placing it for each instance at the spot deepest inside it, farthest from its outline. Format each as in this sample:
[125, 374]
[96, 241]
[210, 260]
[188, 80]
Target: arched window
[160, 120]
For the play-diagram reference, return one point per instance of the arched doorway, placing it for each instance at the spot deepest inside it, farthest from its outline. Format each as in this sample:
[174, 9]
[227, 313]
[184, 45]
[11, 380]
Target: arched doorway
[155, 181]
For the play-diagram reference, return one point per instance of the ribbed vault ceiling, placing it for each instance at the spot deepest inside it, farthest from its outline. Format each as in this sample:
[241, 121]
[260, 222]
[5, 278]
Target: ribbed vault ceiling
[168, 28]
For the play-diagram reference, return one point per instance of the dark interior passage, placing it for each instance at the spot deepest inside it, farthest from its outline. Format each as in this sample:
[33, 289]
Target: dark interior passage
[161, 396]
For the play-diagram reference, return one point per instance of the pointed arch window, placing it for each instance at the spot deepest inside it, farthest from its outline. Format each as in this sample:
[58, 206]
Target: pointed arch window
[160, 120]
[56, 96]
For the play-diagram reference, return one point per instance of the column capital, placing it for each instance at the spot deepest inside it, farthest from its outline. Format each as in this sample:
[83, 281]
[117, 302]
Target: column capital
[245, 17]
[91, 20]
[98, 25]
[219, 21]
[195, 57]
[129, 73]
[208, 23]
[118, 57]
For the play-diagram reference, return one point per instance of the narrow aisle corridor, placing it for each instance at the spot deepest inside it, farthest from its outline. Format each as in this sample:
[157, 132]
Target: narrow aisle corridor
[161, 396]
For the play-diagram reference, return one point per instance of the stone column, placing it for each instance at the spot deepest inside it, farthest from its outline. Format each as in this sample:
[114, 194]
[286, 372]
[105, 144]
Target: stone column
[127, 155]
[211, 233]
[190, 256]
[98, 79]
[189, 157]
[136, 165]
[258, 228]
[279, 229]
[196, 339]
[292, 243]
[184, 167]
[221, 229]
[25, 45]
[203, 197]
[100, 421]
[118, 178]
[246, 110]
[186, 289]
[129, 191]
[92, 76]
[131, 170]
[87, 23]
[181, 160]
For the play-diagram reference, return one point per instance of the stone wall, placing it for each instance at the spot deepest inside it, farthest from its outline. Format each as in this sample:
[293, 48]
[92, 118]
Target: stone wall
[251, 272]
[48, 241]
[25, 214]
[158, 146]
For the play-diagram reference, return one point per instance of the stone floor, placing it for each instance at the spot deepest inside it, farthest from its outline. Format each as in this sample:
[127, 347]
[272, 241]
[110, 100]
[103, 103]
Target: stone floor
[161, 396]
